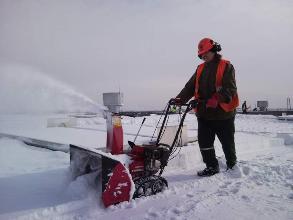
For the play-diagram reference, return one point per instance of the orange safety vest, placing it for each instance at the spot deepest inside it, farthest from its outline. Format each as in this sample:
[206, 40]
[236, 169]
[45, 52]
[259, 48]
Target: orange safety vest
[227, 107]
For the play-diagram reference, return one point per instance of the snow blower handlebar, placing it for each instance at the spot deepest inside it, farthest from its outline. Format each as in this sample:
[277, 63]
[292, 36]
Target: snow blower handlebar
[189, 106]
[176, 102]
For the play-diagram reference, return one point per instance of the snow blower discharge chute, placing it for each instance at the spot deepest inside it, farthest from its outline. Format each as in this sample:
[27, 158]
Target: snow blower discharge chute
[131, 174]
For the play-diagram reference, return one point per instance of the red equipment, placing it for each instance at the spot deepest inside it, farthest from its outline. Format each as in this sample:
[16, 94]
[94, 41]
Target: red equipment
[114, 134]
[132, 174]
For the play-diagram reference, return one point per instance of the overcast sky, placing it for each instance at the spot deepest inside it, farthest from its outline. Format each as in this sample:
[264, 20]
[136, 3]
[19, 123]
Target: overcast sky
[148, 48]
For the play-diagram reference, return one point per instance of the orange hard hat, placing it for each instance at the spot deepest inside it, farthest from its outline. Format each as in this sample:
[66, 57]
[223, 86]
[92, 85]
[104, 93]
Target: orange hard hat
[205, 45]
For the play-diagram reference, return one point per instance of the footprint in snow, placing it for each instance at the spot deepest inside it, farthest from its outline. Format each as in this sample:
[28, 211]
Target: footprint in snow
[152, 214]
[246, 198]
[246, 170]
[189, 205]
[289, 185]
[235, 190]
[290, 196]
[189, 195]
[178, 210]
[226, 184]
[222, 193]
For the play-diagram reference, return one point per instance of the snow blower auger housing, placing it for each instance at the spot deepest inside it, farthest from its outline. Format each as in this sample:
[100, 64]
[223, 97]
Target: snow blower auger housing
[132, 174]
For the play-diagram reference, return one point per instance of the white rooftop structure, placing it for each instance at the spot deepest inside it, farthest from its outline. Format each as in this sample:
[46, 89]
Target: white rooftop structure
[113, 100]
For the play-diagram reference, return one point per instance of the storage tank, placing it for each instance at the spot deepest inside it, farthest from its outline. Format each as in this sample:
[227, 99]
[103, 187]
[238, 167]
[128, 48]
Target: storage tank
[263, 105]
[113, 100]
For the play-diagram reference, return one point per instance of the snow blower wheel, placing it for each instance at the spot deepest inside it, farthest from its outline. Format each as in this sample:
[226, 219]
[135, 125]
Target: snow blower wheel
[147, 186]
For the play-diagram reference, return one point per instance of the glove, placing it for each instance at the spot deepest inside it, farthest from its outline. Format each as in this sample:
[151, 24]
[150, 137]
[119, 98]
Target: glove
[213, 101]
[224, 96]
[173, 109]
[175, 101]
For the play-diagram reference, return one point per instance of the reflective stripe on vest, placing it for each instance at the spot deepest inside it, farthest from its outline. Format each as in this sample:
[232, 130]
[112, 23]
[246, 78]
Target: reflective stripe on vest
[227, 107]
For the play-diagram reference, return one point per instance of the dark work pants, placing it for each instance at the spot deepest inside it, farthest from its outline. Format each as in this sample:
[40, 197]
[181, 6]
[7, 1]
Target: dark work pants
[224, 129]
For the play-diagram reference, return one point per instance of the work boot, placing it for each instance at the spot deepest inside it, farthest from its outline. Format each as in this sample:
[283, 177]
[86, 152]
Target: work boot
[209, 171]
[231, 165]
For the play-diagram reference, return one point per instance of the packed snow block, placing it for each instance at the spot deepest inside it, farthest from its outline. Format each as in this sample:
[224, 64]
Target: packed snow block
[170, 132]
[287, 138]
[188, 157]
[61, 122]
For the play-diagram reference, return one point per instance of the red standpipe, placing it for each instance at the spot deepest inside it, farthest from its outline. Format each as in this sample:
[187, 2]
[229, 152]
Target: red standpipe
[114, 134]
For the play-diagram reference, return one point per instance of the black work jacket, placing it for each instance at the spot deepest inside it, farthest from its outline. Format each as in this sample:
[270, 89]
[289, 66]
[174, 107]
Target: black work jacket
[207, 87]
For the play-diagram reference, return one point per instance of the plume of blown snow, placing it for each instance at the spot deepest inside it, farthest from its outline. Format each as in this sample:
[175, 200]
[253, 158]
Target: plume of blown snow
[24, 89]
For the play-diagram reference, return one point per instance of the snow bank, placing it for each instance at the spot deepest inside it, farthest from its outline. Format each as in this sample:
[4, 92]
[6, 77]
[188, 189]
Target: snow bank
[262, 124]
[17, 158]
[261, 187]
[186, 157]
[287, 138]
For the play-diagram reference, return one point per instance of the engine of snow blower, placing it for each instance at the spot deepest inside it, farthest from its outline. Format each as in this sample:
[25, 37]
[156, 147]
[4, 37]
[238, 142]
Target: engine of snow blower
[148, 160]
[131, 174]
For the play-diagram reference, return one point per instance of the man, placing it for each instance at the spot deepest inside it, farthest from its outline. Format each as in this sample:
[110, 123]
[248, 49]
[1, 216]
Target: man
[244, 108]
[213, 85]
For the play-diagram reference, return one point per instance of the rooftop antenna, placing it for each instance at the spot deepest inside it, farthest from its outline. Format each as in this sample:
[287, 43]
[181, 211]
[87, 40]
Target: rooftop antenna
[289, 103]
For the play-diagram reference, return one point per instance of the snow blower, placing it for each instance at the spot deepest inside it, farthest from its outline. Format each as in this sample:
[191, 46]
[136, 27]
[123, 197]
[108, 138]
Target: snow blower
[134, 173]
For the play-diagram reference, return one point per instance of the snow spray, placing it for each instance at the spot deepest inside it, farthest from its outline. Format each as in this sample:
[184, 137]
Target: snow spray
[26, 90]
